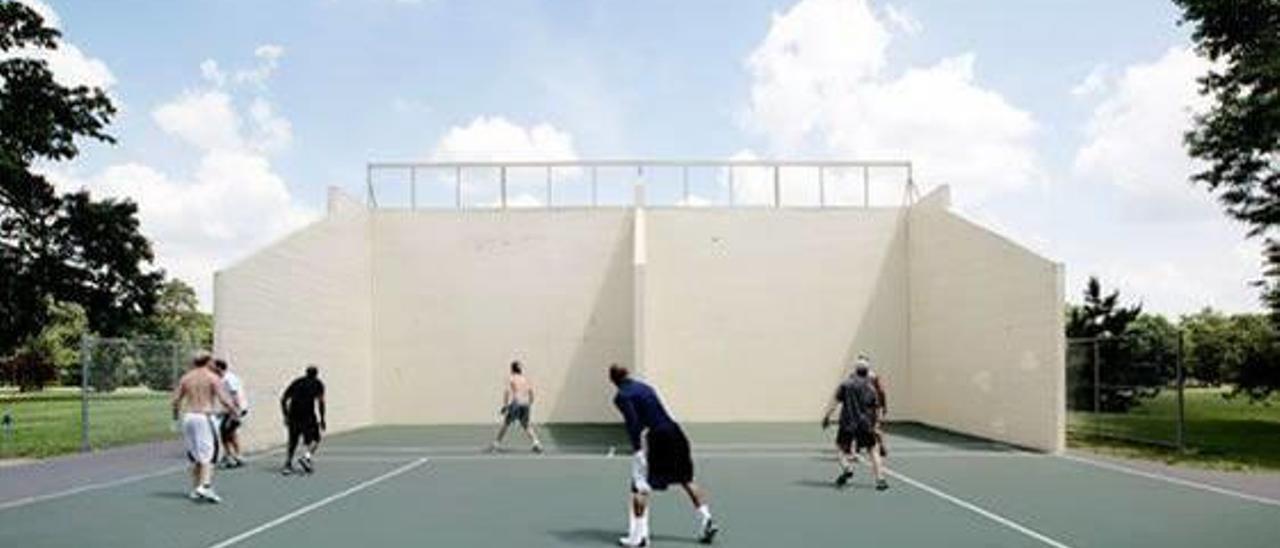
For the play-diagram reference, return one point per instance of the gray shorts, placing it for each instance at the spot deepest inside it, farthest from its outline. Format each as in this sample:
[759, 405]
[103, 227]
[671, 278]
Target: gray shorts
[518, 412]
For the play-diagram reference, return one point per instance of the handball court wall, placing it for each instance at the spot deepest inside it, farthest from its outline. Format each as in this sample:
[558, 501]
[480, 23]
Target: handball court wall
[735, 314]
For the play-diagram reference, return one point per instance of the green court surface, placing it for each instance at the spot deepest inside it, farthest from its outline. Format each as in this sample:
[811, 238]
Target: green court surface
[770, 486]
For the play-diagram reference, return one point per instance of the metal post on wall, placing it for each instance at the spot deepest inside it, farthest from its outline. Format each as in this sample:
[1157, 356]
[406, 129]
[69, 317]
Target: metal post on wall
[730, 186]
[684, 178]
[502, 173]
[822, 188]
[595, 185]
[866, 186]
[457, 186]
[413, 188]
[84, 393]
[548, 186]
[1181, 380]
[777, 186]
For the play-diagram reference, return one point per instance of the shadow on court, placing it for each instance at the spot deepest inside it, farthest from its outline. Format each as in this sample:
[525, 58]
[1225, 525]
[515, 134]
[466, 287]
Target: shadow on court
[609, 537]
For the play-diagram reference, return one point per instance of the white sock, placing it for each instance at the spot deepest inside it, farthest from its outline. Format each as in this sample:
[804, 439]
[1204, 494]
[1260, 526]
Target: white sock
[642, 528]
[704, 512]
[306, 455]
[633, 523]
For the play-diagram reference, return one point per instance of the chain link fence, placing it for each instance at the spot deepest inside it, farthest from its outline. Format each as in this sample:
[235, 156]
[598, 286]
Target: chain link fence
[118, 394]
[1128, 389]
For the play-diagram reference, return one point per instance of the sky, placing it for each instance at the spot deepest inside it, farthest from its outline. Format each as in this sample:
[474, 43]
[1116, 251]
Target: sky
[1057, 123]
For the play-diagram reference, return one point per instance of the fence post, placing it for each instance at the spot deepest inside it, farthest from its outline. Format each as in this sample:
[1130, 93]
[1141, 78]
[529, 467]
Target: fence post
[84, 393]
[1181, 374]
[1097, 378]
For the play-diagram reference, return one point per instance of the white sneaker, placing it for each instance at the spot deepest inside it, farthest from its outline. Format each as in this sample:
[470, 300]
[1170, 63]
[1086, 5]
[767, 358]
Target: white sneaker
[208, 494]
[633, 542]
[193, 495]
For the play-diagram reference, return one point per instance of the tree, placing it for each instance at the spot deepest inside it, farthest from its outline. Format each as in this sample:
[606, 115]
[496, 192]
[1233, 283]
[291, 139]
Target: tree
[53, 353]
[1211, 350]
[1238, 138]
[63, 247]
[177, 317]
[1256, 373]
[1115, 346]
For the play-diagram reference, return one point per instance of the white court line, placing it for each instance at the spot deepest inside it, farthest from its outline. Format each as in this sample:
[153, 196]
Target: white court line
[714, 455]
[113, 483]
[419, 449]
[1173, 480]
[322, 502]
[977, 510]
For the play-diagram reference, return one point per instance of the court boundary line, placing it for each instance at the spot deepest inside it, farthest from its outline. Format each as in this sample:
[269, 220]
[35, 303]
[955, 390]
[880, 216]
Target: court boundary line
[33, 499]
[1171, 479]
[977, 509]
[477, 457]
[320, 503]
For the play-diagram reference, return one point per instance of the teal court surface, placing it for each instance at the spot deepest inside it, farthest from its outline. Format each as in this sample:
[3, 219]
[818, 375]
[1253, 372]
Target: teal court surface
[770, 485]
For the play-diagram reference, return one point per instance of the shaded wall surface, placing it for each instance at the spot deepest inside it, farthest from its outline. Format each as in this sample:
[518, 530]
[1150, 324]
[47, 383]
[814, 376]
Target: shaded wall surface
[735, 314]
[304, 300]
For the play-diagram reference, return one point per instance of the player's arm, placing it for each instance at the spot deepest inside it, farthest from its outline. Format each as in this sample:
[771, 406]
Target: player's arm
[221, 395]
[632, 420]
[179, 392]
[831, 408]
[285, 400]
[881, 400]
[320, 403]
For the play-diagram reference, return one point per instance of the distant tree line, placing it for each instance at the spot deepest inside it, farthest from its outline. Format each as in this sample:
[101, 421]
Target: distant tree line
[1137, 352]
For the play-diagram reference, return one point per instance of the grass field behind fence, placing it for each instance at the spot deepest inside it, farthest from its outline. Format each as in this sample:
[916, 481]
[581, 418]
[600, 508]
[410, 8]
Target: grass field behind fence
[47, 423]
[1220, 432]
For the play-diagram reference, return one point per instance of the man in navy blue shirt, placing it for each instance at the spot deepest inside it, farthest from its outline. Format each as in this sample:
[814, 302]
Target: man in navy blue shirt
[661, 457]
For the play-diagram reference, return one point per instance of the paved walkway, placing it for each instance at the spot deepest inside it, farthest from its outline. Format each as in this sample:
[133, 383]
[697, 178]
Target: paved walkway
[1261, 484]
[23, 481]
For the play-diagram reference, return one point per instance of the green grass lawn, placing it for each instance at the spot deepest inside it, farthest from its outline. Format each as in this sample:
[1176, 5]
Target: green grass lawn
[47, 423]
[1220, 433]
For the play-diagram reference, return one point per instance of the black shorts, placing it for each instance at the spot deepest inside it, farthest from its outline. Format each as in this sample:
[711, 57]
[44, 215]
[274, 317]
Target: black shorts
[669, 456]
[230, 423]
[306, 428]
[517, 412]
[856, 439]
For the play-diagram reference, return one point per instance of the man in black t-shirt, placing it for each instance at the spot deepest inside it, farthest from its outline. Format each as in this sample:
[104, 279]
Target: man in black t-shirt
[859, 420]
[299, 404]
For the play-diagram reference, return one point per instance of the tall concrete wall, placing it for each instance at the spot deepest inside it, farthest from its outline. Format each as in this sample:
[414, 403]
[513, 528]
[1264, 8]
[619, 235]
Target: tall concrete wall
[304, 300]
[459, 295]
[736, 314]
[756, 314]
[987, 346]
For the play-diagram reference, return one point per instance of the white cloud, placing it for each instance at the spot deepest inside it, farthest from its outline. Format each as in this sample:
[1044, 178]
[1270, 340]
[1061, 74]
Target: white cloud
[494, 138]
[819, 82]
[268, 56]
[69, 64]
[1133, 138]
[210, 71]
[903, 19]
[1093, 83]
[231, 202]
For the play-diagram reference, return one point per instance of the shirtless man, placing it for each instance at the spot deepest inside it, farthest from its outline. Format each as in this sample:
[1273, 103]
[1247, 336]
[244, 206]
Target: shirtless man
[197, 400]
[517, 400]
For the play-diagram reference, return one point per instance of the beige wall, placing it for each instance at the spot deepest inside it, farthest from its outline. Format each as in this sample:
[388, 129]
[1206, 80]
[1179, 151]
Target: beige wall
[305, 299]
[735, 314]
[755, 314]
[459, 295]
[986, 331]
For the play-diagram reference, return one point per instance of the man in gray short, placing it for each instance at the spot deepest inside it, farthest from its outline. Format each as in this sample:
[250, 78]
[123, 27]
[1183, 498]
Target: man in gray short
[517, 400]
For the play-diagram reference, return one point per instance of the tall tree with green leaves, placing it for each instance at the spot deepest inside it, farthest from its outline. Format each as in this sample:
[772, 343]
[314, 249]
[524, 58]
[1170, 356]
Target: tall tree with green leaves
[67, 248]
[1238, 138]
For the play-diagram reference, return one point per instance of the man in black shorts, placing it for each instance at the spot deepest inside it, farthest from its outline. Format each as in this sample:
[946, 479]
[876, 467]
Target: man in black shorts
[859, 417]
[299, 404]
[662, 457]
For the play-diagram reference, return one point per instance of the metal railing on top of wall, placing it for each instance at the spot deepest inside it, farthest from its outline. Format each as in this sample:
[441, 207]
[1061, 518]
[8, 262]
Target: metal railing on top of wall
[611, 183]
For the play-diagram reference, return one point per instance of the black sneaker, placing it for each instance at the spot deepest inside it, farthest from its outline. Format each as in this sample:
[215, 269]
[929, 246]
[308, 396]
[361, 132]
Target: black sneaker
[709, 530]
[844, 477]
[881, 485]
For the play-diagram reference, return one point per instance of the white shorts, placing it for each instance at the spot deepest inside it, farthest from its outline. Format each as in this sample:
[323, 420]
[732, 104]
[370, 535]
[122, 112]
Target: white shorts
[200, 435]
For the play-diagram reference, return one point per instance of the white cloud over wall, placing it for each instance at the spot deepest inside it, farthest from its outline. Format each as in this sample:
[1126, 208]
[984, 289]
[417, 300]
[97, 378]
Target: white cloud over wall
[820, 86]
[495, 138]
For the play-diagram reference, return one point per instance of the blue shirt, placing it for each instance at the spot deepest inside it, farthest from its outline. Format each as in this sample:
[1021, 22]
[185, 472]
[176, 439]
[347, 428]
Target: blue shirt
[641, 409]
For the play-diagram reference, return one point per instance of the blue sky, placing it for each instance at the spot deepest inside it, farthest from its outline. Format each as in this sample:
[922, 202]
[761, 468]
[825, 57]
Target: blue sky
[1056, 122]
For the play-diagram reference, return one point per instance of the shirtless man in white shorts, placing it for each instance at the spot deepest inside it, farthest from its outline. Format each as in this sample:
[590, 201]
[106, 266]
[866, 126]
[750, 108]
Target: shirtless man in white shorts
[197, 400]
